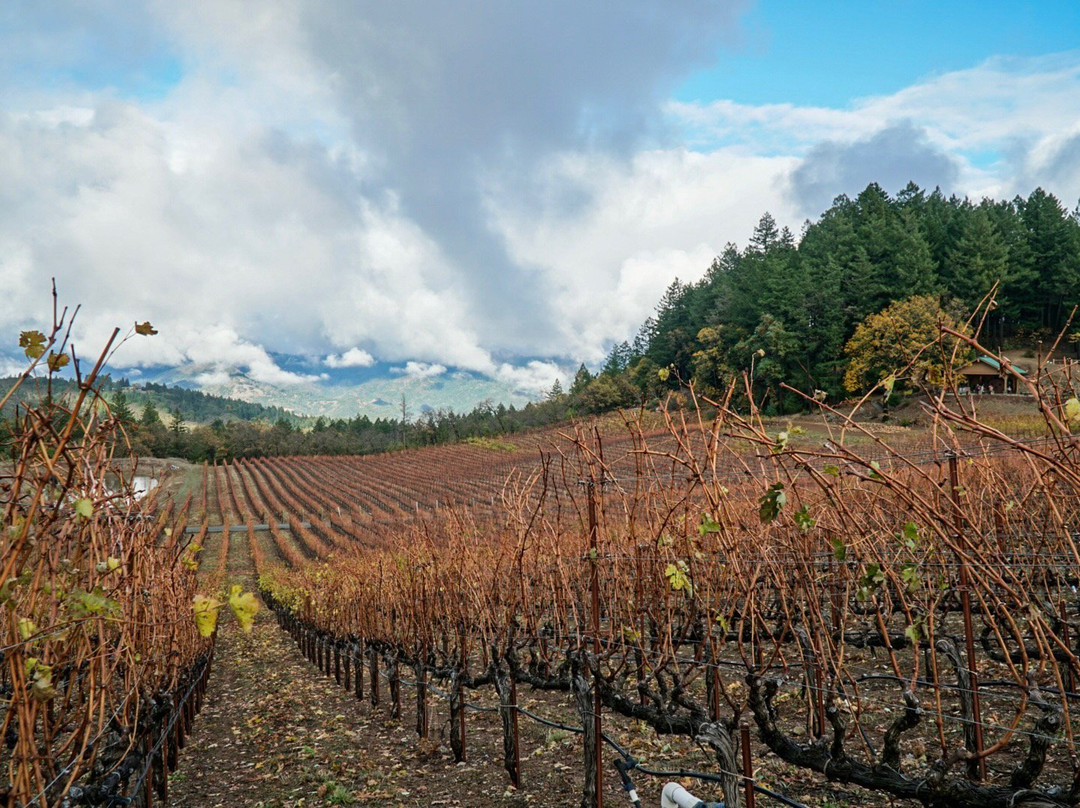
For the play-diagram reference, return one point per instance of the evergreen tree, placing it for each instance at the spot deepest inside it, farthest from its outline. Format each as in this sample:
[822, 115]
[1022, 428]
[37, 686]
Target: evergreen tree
[149, 416]
[976, 259]
[1053, 239]
[121, 409]
[581, 381]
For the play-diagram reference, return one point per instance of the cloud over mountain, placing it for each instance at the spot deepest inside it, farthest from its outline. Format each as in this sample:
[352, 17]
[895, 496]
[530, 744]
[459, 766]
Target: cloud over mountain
[495, 187]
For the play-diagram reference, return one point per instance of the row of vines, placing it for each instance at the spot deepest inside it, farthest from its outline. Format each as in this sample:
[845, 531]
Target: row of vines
[904, 619]
[102, 667]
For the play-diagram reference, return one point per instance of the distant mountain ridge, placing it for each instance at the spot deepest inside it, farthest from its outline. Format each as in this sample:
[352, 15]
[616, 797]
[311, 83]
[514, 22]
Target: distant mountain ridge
[372, 394]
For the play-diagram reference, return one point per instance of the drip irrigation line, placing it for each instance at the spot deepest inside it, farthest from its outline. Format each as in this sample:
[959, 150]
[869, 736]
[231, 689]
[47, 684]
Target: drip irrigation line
[803, 685]
[738, 663]
[628, 758]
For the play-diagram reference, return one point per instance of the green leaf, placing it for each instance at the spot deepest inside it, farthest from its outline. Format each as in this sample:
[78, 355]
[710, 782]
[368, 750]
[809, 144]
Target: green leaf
[839, 549]
[913, 633]
[145, 329]
[708, 525]
[85, 604]
[831, 468]
[783, 437]
[663, 374]
[84, 508]
[803, 518]
[909, 536]
[909, 574]
[33, 343]
[771, 503]
[871, 580]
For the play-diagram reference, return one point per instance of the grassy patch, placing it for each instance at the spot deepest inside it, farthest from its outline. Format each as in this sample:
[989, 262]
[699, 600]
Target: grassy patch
[491, 443]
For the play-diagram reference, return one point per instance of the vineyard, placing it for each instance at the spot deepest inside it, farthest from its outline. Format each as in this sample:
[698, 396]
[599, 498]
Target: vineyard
[897, 615]
[901, 617]
[102, 669]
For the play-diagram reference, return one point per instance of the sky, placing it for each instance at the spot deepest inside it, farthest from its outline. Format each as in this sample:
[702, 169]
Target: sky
[500, 187]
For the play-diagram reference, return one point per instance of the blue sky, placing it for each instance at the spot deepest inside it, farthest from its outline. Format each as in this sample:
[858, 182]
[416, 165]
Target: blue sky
[829, 52]
[479, 186]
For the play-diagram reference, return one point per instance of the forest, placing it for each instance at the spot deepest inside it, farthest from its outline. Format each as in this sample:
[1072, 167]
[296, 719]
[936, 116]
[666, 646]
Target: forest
[793, 304]
[783, 310]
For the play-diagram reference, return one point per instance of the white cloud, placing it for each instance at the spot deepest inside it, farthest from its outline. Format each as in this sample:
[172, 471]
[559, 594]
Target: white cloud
[664, 214]
[216, 351]
[352, 358]
[447, 188]
[534, 378]
[420, 370]
[11, 367]
[998, 122]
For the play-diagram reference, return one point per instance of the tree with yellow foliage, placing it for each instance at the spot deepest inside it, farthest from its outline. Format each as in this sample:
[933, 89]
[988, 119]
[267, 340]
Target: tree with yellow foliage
[904, 342]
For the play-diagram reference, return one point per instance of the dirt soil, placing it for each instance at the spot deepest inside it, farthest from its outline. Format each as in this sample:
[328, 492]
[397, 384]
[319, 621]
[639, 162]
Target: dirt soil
[274, 732]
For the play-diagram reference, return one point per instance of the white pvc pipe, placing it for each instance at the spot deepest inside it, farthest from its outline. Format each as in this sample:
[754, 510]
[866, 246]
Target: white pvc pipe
[675, 796]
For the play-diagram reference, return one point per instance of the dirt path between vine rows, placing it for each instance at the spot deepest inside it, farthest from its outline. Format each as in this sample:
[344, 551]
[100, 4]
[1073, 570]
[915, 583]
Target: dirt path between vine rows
[275, 733]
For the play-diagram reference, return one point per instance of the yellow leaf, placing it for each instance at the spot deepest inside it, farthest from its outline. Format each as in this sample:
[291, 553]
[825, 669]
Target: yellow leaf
[41, 685]
[57, 360]
[33, 342]
[26, 627]
[84, 507]
[145, 329]
[678, 579]
[206, 614]
[244, 605]
[1072, 410]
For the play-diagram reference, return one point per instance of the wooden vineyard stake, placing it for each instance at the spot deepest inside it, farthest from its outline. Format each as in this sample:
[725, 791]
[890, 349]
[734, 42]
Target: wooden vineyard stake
[713, 683]
[457, 717]
[747, 764]
[373, 669]
[421, 700]
[506, 687]
[973, 732]
[395, 685]
[359, 660]
[583, 699]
